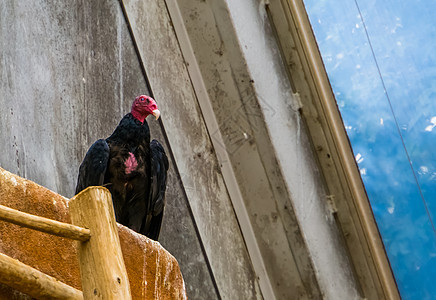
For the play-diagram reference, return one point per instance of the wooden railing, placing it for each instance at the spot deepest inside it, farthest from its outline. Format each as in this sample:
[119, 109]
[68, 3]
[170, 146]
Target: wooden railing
[102, 270]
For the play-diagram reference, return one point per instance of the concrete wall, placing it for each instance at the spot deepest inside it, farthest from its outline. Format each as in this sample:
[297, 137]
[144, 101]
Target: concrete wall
[68, 73]
[267, 148]
[194, 152]
[246, 213]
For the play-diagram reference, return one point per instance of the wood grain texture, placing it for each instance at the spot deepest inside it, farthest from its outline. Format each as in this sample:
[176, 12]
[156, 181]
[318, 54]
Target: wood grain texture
[33, 282]
[152, 271]
[44, 224]
[101, 261]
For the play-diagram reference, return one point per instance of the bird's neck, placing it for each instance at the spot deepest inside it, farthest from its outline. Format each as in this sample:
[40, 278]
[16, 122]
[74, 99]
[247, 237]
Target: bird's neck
[139, 116]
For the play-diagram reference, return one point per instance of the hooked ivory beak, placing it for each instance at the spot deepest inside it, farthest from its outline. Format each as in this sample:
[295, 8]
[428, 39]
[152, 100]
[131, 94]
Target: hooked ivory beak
[156, 113]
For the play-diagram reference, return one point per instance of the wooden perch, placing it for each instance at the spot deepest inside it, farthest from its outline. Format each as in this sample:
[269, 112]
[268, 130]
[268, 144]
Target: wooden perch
[43, 224]
[102, 268]
[34, 283]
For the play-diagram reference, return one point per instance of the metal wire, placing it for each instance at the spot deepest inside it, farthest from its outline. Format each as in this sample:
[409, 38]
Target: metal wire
[395, 119]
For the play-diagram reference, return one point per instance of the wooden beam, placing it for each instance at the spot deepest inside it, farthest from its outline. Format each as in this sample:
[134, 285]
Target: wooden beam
[101, 262]
[32, 282]
[43, 224]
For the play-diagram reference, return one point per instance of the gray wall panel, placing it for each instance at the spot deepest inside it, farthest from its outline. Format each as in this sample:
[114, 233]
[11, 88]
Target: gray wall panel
[68, 73]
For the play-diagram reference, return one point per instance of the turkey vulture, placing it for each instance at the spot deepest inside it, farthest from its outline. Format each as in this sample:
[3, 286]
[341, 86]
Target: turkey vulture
[133, 169]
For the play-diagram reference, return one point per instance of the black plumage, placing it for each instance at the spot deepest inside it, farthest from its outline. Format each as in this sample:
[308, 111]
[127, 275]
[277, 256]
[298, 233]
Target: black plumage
[132, 168]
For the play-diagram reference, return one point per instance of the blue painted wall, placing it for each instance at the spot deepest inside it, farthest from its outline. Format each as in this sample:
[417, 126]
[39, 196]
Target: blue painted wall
[381, 60]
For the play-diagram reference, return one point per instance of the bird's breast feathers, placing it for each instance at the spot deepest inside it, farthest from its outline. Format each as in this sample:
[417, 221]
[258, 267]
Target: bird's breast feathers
[130, 163]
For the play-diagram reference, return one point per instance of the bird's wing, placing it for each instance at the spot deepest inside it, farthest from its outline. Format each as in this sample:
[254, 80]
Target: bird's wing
[159, 168]
[93, 168]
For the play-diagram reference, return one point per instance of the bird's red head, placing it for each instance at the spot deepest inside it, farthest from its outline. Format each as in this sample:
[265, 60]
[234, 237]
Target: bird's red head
[144, 106]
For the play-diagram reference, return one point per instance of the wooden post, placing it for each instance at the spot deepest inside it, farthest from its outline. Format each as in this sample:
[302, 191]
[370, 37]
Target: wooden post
[43, 224]
[32, 282]
[101, 262]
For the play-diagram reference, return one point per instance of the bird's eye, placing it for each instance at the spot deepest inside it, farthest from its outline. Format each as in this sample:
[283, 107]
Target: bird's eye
[141, 99]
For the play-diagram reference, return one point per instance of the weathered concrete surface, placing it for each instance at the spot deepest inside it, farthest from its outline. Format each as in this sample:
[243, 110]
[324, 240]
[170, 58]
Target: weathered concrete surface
[235, 104]
[268, 148]
[153, 272]
[290, 143]
[68, 73]
[193, 150]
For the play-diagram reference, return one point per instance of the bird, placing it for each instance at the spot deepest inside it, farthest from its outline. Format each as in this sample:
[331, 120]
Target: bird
[132, 168]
